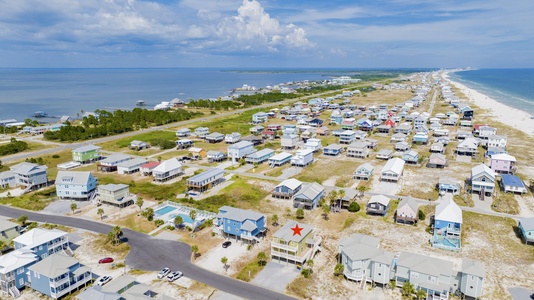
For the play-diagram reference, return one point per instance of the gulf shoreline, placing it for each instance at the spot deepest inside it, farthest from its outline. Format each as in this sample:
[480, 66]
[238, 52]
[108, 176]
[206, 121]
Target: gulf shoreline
[516, 118]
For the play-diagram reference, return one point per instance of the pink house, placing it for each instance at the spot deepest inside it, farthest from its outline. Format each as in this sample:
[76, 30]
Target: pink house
[502, 163]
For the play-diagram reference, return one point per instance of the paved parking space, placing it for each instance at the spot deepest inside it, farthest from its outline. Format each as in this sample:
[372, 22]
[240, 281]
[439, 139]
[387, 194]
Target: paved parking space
[519, 293]
[276, 276]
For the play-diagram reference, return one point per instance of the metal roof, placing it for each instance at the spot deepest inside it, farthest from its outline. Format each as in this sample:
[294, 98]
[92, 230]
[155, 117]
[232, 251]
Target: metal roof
[73, 177]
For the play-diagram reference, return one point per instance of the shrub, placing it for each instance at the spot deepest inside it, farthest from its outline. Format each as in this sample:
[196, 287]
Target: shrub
[55, 156]
[305, 272]
[422, 215]
[170, 227]
[354, 207]
[159, 222]
[249, 247]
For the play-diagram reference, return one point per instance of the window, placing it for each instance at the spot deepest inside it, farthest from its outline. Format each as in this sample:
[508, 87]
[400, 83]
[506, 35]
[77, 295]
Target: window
[20, 271]
[21, 281]
[415, 275]
[471, 287]
[41, 247]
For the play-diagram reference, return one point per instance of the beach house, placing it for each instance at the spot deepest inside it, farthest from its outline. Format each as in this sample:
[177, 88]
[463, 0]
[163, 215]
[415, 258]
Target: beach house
[503, 163]
[287, 188]
[201, 132]
[214, 137]
[8, 231]
[260, 117]
[13, 271]
[309, 195]
[393, 170]
[526, 230]
[482, 180]
[167, 170]
[232, 138]
[58, 275]
[289, 141]
[333, 150]
[512, 184]
[302, 158]
[348, 124]
[468, 147]
[29, 175]
[130, 166]
[384, 154]
[239, 150]
[407, 211]
[378, 205]
[197, 153]
[260, 156]
[256, 129]
[447, 226]
[402, 146]
[363, 172]
[496, 141]
[110, 163]
[7, 179]
[205, 180]
[138, 145]
[358, 149]
[471, 278]
[117, 195]
[183, 132]
[295, 243]
[43, 242]
[124, 287]
[420, 138]
[313, 144]
[184, 144]
[86, 154]
[448, 185]
[433, 275]
[484, 131]
[347, 137]
[75, 185]
[239, 223]
[215, 156]
[363, 260]
[437, 148]
[411, 157]
[279, 159]
[147, 168]
[398, 137]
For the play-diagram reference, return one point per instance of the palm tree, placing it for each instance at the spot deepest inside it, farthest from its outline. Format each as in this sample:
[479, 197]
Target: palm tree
[194, 249]
[73, 207]
[117, 232]
[224, 260]
[309, 263]
[338, 269]
[149, 214]
[3, 245]
[178, 220]
[193, 216]
[407, 289]
[362, 189]
[22, 219]
[421, 294]
[326, 211]
[262, 257]
[332, 196]
[100, 212]
[139, 202]
[275, 219]
[341, 195]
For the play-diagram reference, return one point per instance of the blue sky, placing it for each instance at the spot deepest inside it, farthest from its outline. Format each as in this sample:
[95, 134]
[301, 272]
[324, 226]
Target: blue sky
[266, 33]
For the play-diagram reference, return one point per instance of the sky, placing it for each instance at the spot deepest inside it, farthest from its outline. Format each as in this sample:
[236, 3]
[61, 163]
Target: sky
[267, 33]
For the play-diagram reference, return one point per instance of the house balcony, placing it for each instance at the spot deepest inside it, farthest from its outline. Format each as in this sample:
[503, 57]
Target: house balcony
[281, 194]
[376, 210]
[70, 288]
[62, 243]
[7, 278]
[56, 283]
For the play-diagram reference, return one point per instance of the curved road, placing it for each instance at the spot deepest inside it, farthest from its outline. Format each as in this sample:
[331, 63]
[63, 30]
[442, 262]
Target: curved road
[151, 254]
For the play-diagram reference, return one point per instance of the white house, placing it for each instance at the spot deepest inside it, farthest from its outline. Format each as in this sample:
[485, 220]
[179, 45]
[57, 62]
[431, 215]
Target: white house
[130, 166]
[363, 172]
[498, 141]
[289, 141]
[168, 169]
[482, 180]
[232, 138]
[302, 158]
[313, 144]
[240, 150]
[75, 185]
[393, 169]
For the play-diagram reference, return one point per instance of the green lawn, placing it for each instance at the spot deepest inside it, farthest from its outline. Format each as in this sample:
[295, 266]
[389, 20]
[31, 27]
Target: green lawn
[145, 137]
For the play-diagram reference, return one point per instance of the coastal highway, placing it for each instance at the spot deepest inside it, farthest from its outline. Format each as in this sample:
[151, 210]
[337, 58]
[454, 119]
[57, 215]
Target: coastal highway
[152, 254]
[65, 146]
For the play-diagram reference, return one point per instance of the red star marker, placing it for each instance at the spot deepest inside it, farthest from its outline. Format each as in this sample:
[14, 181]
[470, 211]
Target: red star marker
[297, 230]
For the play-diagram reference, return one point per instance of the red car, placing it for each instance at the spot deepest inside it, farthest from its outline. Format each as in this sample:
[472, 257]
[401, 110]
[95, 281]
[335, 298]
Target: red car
[105, 260]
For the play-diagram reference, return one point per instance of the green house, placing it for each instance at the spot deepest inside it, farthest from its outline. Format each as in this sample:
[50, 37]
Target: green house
[86, 154]
[8, 231]
[295, 243]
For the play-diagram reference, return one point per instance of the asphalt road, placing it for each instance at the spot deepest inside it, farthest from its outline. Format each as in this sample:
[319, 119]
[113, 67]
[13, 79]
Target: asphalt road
[151, 254]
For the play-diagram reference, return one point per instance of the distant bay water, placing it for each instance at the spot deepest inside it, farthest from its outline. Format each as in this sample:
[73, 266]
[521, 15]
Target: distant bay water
[512, 87]
[68, 91]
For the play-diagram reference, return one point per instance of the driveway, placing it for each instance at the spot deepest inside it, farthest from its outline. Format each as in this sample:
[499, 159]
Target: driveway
[151, 254]
[519, 293]
[276, 276]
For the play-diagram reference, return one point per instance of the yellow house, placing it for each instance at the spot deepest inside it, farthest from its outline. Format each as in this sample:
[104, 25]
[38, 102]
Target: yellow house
[295, 243]
[197, 153]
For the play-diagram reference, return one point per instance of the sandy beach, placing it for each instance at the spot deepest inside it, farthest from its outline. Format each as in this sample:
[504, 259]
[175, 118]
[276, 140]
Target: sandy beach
[514, 117]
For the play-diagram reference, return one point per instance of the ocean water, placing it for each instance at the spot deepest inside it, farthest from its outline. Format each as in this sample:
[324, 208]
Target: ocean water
[513, 87]
[68, 91]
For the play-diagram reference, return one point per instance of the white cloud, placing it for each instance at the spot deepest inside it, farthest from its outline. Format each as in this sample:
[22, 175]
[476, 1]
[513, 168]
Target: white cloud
[255, 29]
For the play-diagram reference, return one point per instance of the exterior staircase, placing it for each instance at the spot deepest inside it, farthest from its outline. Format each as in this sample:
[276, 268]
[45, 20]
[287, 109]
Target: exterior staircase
[27, 189]
[68, 251]
[14, 292]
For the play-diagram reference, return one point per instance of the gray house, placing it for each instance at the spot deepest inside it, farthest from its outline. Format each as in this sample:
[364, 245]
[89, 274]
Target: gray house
[287, 188]
[433, 275]
[32, 176]
[363, 172]
[364, 261]
[378, 205]
[309, 196]
[471, 278]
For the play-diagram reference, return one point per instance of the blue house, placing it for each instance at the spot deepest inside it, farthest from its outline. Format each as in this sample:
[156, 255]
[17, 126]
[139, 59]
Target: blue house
[333, 150]
[365, 124]
[75, 185]
[309, 196]
[13, 268]
[260, 117]
[447, 226]
[287, 188]
[420, 137]
[43, 242]
[526, 227]
[58, 275]
[448, 185]
[245, 224]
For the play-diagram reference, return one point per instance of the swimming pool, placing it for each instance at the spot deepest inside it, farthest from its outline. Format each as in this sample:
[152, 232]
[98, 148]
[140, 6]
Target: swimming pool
[185, 218]
[165, 210]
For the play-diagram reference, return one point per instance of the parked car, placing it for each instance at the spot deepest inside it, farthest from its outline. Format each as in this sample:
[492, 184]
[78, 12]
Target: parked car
[226, 244]
[174, 275]
[103, 280]
[105, 260]
[164, 272]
